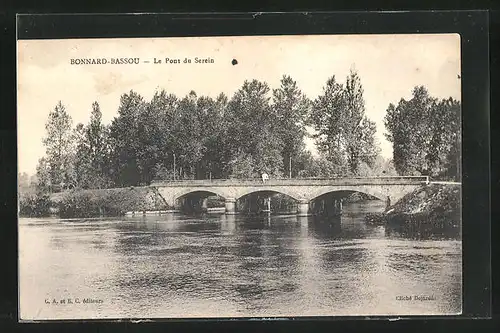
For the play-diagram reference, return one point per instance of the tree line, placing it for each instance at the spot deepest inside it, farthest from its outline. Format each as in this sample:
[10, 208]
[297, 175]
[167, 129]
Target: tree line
[257, 130]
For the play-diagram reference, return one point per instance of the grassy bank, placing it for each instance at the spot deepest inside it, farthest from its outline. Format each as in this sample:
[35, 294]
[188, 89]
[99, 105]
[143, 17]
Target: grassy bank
[434, 207]
[92, 203]
[108, 202]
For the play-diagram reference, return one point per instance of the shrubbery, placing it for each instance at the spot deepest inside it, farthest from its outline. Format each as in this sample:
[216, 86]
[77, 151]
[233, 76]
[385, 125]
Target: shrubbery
[80, 204]
[108, 202]
[34, 205]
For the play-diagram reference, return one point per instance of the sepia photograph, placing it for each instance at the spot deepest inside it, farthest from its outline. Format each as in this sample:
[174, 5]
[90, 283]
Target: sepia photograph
[239, 177]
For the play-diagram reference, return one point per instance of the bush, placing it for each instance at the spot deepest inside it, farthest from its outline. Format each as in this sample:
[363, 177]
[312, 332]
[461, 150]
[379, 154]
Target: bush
[34, 205]
[108, 202]
[78, 204]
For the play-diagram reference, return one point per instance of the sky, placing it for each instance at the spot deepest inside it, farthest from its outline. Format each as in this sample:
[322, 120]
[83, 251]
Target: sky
[389, 66]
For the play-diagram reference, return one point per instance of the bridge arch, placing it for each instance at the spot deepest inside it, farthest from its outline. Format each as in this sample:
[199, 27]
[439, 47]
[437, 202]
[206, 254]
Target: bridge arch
[379, 194]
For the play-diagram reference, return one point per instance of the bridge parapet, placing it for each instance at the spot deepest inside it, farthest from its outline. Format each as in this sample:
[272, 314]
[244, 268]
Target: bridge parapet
[397, 180]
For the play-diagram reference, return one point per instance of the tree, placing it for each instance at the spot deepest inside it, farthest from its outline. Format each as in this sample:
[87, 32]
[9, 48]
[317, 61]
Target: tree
[242, 166]
[359, 131]
[90, 162]
[34, 200]
[381, 167]
[124, 138]
[23, 181]
[250, 129]
[152, 136]
[291, 108]
[43, 176]
[81, 162]
[96, 136]
[215, 153]
[344, 135]
[160, 124]
[326, 119]
[189, 133]
[425, 134]
[58, 143]
[408, 128]
[444, 147]
[320, 166]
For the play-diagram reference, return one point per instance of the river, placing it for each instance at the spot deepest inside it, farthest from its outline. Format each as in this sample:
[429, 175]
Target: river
[233, 266]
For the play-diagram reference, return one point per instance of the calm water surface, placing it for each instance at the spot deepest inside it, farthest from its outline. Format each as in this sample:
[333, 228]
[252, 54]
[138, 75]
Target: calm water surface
[232, 266]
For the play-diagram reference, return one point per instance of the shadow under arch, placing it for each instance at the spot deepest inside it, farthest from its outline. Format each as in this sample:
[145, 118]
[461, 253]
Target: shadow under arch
[257, 190]
[210, 191]
[263, 200]
[345, 192]
[196, 200]
[330, 203]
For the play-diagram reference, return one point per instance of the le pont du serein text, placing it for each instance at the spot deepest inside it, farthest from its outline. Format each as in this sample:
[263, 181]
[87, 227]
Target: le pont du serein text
[136, 61]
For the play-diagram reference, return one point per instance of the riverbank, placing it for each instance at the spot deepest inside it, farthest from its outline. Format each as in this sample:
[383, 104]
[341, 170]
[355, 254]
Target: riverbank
[93, 203]
[109, 202]
[433, 206]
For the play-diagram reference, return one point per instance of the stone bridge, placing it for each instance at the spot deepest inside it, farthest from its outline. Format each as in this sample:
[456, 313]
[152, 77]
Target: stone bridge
[304, 191]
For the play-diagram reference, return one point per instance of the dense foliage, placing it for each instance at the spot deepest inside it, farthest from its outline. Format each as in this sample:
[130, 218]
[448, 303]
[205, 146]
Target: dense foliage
[58, 143]
[34, 204]
[344, 134]
[109, 202]
[426, 135]
[257, 130]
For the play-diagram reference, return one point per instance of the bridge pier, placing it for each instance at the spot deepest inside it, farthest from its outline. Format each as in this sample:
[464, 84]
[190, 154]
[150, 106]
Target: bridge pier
[303, 208]
[204, 204]
[230, 206]
[337, 207]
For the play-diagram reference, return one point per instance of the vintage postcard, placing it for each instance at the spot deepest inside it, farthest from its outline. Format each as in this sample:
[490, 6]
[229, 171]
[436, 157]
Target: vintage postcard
[248, 176]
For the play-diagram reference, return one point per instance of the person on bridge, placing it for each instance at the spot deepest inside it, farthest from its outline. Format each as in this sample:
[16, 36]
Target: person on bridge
[265, 177]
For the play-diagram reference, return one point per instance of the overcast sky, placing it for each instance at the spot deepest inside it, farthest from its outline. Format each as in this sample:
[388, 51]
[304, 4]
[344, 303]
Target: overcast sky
[389, 67]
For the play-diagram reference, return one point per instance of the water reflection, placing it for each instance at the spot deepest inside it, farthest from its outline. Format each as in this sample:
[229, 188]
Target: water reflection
[228, 224]
[231, 265]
